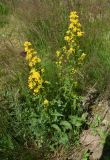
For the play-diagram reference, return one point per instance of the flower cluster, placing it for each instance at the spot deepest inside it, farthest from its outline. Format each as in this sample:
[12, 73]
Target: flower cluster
[35, 80]
[70, 53]
[31, 55]
[74, 29]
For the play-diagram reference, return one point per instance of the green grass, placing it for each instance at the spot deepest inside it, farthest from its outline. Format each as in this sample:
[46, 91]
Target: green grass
[4, 12]
[96, 44]
[4, 9]
[46, 32]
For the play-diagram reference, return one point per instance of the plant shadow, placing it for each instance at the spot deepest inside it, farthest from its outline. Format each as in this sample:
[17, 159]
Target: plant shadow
[106, 149]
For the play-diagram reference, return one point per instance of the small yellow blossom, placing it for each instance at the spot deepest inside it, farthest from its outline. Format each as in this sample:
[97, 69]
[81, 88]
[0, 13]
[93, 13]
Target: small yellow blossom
[71, 50]
[32, 70]
[68, 32]
[34, 61]
[46, 102]
[71, 26]
[66, 38]
[36, 90]
[74, 70]
[59, 62]
[78, 25]
[73, 15]
[80, 34]
[64, 48]
[58, 53]
[26, 44]
[26, 49]
[31, 85]
[28, 57]
[38, 60]
[74, 22]
[75, 29]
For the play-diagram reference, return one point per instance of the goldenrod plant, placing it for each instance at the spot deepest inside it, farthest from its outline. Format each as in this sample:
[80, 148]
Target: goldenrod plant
[58, 116]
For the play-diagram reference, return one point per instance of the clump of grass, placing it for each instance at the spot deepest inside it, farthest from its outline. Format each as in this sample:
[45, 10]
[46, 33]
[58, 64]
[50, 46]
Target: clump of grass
[48, 25]
[4, 9]
[4, 12]
[96, 43]
[46, 32]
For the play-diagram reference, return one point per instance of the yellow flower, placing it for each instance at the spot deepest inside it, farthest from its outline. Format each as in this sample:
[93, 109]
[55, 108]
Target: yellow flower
[32, 70]
[75, 29]
[30, 85]
[34, 61]
[71, 26]
[26, 49]
[67, 38]
[78, 25]
[59, 62]
[36, 90]
[74, 21]
[68, 32]
[46, 102]
[58, 53]
[36, 75]
[26, 44]
[28, 56]
[35, 81]
[74, 70]
[80, 34]
[73, 14]
[38, 60]
[71, 50]
[31, 51]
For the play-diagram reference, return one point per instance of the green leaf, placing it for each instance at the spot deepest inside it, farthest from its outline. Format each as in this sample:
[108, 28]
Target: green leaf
[84, 116]
[57, 114]
[66, 124]
[56, 127]
[64, 138]
[76, 121]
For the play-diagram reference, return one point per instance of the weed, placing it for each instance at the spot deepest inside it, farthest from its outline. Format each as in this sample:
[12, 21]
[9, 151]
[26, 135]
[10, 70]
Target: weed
[86, 156]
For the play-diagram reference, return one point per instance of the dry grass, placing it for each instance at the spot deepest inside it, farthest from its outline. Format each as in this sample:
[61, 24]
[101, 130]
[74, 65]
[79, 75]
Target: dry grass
[11, 63]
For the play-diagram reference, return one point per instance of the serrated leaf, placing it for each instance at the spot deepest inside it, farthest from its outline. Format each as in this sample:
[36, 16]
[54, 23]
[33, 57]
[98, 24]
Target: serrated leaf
[56, 127]
[66, 124]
